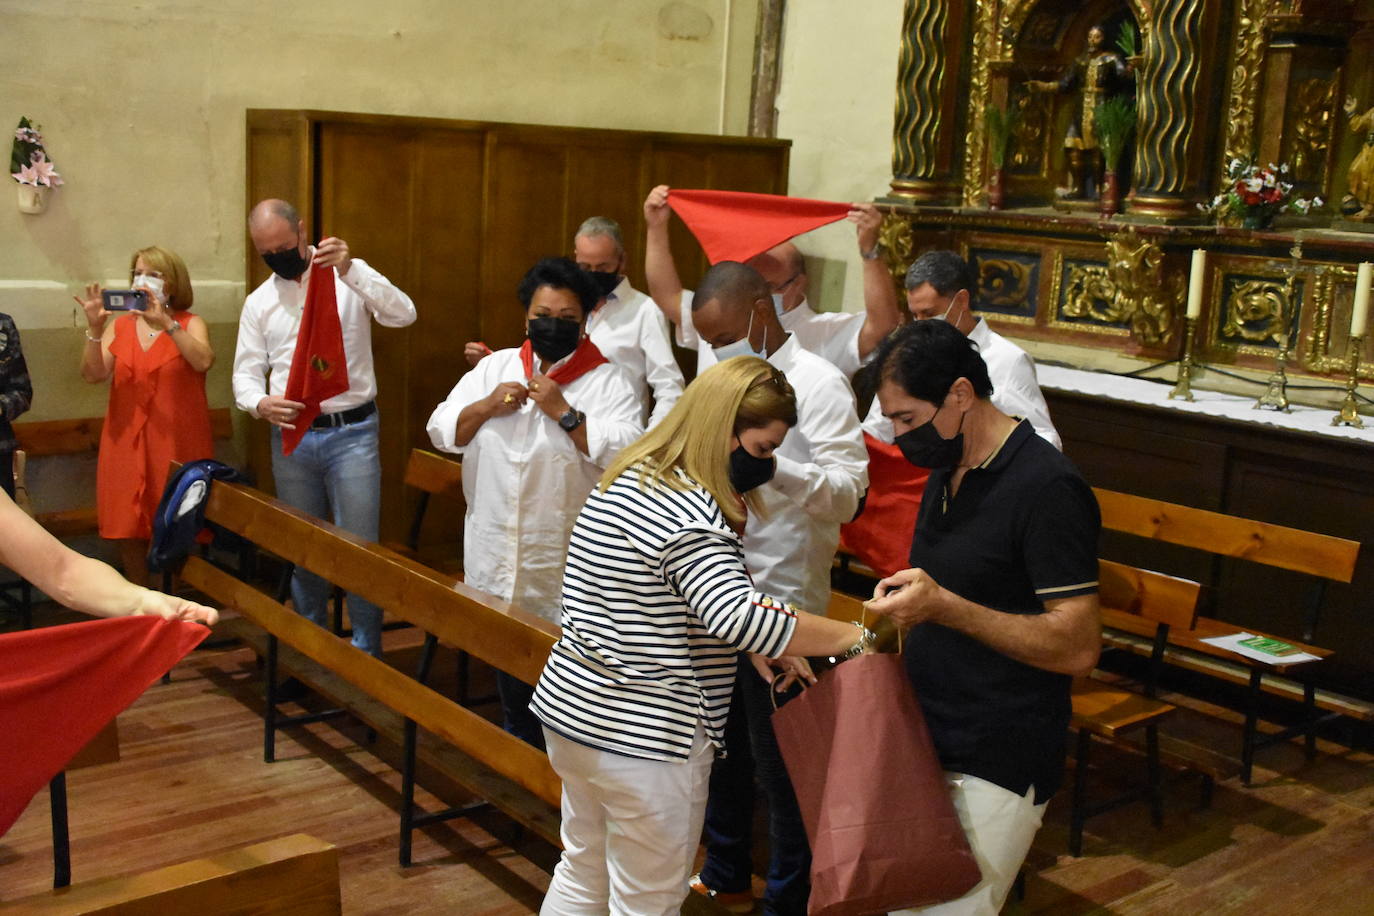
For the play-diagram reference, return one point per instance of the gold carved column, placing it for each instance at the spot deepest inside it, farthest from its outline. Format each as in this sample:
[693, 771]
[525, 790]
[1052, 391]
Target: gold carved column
[1173, 116]
[928, 126]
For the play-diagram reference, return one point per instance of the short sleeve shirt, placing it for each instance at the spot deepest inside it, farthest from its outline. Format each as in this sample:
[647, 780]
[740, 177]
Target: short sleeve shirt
[1022, 530]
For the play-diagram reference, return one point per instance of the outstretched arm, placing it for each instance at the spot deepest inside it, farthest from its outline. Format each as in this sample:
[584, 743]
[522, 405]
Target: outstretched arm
[80, 582]
[665, 286]
[882, 314]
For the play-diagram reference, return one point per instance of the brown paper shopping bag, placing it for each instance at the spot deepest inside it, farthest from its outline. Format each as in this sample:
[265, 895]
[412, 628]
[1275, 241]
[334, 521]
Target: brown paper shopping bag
[883, 830]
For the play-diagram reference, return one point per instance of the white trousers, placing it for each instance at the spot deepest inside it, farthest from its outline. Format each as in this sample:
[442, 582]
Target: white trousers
[1000, 826]
[630, 829]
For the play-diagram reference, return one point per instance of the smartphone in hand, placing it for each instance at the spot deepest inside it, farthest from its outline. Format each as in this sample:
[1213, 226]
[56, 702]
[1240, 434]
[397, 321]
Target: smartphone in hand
[125, 300]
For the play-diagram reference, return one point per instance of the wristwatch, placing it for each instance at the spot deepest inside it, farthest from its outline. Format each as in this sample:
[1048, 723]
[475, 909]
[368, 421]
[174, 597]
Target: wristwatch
[571, 420]
[873, 253]
[866, 639]
[174, 326]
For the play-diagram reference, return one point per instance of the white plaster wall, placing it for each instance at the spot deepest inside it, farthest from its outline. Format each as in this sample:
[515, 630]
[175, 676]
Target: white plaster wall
[835, 102]
[142, 106]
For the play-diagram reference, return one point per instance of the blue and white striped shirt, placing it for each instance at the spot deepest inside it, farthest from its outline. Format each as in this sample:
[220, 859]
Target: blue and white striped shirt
[656, 602]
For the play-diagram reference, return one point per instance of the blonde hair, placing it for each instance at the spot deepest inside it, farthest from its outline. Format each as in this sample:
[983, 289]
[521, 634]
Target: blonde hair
[741, 393]
[176, 279]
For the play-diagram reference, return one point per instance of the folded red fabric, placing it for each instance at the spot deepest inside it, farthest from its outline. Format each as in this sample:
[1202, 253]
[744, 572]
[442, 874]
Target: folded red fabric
[319, 369]
[59, 686]
[881, 536]
[585, 358]
[736, 225]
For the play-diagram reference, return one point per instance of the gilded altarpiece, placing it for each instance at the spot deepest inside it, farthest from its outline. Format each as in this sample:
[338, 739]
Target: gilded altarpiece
[1209, 82]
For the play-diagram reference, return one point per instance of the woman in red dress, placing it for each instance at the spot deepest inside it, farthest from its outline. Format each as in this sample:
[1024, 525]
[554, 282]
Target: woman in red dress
[157, 360]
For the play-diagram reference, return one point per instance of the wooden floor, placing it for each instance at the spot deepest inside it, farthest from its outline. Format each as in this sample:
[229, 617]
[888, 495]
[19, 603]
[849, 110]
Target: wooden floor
[192, 781]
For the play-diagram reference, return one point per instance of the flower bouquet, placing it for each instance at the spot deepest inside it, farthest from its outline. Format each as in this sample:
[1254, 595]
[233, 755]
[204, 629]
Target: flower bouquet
[31, 167]
[1254, 195]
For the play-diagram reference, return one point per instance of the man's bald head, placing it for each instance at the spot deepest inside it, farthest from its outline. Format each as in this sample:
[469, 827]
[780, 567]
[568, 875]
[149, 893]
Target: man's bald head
[274, 225]
[266, 211]
[734, 285]
[733, 301]
[785, 270]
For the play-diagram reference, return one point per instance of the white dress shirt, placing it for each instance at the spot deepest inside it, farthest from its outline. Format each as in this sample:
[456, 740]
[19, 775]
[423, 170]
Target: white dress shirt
[1015, 390]
[272, 317]
[631, 332]
[525, 480]
[822, 472]
[833, 336]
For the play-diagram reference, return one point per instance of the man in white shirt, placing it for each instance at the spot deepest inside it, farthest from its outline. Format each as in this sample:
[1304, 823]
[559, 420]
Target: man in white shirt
[334, 473]
[940, 286]
[625, 326]
[844, 339]
[820, 476]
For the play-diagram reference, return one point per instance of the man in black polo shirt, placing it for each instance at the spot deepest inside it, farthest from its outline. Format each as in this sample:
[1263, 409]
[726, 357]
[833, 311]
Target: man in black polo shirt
[1001, 597]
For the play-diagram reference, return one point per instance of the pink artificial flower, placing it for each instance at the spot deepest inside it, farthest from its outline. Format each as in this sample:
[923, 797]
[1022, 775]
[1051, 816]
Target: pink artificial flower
[26, 175]
[47, 175]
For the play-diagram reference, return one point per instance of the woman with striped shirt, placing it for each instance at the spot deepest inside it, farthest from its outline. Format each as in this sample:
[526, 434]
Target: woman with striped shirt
[656, 602]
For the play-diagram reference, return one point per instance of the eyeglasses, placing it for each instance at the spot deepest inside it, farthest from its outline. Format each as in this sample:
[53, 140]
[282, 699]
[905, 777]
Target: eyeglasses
[786, 283]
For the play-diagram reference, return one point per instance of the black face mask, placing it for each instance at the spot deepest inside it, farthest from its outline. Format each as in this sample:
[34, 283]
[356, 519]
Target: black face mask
[554, 338]
[749, 471]
[926, 448]
[288, 264]
[605, 281]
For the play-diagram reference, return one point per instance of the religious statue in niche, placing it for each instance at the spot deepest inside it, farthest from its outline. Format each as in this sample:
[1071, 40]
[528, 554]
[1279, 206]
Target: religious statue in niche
[1098, 74]
[1361, 174]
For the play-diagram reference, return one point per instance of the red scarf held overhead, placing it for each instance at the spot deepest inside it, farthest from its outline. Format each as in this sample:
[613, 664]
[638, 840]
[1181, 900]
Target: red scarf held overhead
[319, 369]
[59, 686]
[736, 225]
[584, 359]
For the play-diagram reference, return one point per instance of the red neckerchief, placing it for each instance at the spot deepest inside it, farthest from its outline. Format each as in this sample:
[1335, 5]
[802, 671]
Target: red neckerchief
[584, 359]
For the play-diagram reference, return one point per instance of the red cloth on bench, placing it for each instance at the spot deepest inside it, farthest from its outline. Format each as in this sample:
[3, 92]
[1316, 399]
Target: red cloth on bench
[736, 225]
[59, 686]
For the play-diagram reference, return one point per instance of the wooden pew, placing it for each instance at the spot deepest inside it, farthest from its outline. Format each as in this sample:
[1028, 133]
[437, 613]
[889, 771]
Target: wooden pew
[1322, 557]
[45, 438]
[482, 758]
[296, 875]
[431, 475]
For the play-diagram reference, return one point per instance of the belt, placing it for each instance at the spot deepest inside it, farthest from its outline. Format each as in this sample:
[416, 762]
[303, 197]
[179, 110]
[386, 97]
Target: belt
[344, 417]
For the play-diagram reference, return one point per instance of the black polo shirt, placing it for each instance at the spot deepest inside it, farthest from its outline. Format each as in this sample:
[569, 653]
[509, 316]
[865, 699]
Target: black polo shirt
[1022, 529]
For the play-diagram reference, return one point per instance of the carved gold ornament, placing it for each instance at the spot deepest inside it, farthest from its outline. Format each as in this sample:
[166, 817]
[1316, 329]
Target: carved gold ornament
[1147, 302]
[1004, 283]
[1255, 311]
[1092, 295]
[1313, 126]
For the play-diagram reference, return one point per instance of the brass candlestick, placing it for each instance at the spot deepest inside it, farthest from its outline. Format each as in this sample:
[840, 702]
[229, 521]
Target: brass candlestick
[1184, 388]
[1349, 414]
[1276, 395]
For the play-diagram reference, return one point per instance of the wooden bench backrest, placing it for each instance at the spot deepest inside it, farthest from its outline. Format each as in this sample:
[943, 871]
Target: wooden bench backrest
[498, 633]
[1226, 535]
[73, 437]
[1151, 595]
[433, 473]
[294, 874]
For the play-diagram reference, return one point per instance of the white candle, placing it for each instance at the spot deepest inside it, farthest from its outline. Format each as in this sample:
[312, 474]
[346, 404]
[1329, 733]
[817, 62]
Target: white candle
[1359, 315]
[1195, 283]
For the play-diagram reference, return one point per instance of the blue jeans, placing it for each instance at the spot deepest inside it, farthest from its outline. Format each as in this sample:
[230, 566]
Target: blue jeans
[334, 474]
[752, 754]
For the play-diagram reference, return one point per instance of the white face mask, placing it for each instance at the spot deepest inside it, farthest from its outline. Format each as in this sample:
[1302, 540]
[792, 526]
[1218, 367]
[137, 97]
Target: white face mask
[743, 347]
[151, 284]
[777, 304]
